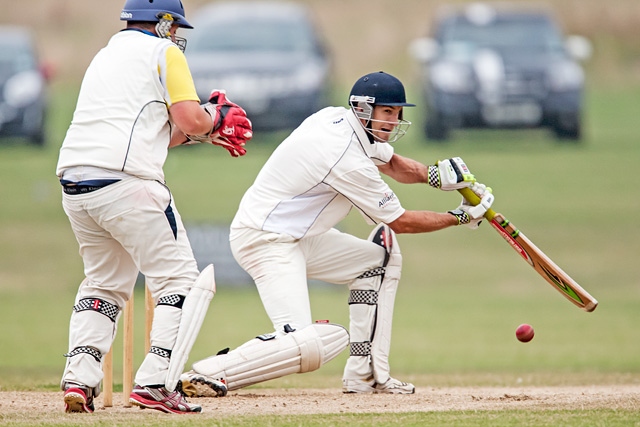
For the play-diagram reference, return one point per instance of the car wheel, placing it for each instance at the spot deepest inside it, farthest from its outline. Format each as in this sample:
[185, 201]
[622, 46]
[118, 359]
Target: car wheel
[436, 129]
[37, 139]
[567, 127]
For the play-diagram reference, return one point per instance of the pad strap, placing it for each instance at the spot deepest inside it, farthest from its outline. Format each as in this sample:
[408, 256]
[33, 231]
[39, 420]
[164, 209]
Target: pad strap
[172, 300]
[162, 352]
[372, 273]
[99, 305]
[92, 351]
[369, 297]
[360, 348]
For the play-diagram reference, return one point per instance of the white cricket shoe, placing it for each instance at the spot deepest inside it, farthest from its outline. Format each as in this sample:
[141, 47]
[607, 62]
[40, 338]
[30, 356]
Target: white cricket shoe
[391, 386]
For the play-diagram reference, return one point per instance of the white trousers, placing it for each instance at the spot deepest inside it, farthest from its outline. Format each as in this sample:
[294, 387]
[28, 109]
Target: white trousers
[124, 228]
[280, 266]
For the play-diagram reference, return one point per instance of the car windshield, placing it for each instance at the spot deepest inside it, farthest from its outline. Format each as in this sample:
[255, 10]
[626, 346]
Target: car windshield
[529, 35]
[251, 36]
[15, 58]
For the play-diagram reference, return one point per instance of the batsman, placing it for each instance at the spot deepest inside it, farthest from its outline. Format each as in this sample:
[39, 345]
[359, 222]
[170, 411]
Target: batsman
[284, 234]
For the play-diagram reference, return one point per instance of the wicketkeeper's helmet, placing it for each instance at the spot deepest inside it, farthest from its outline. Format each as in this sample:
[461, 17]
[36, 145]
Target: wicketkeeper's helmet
[379, 89]
[154, 11]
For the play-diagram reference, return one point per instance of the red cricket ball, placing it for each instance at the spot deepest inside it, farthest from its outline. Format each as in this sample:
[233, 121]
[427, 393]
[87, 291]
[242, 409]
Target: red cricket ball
[524, 333]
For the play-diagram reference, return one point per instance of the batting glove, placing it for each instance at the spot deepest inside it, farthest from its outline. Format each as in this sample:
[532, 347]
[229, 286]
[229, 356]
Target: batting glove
[470, 215]
[450, 174]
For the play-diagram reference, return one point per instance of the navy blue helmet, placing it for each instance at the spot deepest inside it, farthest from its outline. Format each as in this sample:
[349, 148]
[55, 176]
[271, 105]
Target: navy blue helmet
[384, 88]
[153, 11]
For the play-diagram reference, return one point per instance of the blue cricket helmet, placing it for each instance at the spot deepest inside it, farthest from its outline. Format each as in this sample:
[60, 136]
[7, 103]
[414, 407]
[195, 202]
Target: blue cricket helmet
[152, 11]
[383, 88]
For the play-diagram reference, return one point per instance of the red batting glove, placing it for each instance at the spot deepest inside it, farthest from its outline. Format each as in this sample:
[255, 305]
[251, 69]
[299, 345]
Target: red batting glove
[219, 96]
[234, 150]
[234, 125]
[232, 129]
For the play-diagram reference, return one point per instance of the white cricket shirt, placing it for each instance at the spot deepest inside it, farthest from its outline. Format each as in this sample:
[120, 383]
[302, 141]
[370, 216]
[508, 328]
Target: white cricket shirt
[121, 122]
[315, 176]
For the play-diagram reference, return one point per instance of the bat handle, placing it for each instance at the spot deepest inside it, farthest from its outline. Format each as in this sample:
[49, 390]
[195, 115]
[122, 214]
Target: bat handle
[473, 198]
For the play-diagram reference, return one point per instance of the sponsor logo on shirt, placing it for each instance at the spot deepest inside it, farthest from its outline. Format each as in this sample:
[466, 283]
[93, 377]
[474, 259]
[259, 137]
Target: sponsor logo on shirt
[386, 199]
[335, 122]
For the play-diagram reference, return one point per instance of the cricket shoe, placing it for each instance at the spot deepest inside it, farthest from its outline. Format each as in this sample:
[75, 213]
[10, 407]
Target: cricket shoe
[161, 399]
[391, 386]
[198, 385]
[78, 398]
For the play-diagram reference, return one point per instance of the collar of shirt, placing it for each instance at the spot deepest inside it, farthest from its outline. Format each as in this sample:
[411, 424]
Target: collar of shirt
[356, 124]
[140, 30]
[379, 152]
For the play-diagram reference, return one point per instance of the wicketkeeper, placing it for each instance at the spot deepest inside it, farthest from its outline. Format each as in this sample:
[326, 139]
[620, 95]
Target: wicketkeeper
[283, 235]
[136, 101]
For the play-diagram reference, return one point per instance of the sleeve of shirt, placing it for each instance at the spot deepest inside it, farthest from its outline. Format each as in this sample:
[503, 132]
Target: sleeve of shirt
[176, 77]
[370, 194]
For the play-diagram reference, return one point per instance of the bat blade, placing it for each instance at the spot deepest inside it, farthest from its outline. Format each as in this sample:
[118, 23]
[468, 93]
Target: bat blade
[537, 259]
[543, 264]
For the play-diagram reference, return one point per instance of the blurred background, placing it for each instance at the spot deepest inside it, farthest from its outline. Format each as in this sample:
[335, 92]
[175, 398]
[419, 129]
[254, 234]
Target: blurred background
[361, 34]
[330, 45]
[576, 201]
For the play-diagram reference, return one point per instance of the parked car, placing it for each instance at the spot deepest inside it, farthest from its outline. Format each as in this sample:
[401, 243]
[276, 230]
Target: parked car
[490, 67]
[268, 56]
[23, 85]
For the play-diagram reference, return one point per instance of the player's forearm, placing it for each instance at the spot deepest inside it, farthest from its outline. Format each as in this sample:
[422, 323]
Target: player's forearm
[405, 170]
[422, 222]
[191, 118]
[177, 138]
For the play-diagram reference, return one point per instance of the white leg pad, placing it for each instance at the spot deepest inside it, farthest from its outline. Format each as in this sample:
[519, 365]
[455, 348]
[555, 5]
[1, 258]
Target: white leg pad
[194, 311]
[371, 305]
[255, 361]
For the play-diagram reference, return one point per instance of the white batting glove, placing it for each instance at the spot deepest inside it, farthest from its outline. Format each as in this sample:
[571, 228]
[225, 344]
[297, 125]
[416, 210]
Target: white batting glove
[470, 215]
[450, 174]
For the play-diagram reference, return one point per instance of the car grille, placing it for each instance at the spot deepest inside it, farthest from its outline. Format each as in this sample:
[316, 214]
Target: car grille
[523, 84]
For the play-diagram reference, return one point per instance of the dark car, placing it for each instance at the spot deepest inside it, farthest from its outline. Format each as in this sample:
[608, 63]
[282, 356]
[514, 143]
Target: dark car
[501, 68]
[268, 56]
[23, 81]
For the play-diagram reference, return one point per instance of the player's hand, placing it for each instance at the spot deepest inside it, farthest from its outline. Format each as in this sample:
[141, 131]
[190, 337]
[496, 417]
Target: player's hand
[219, 97]
[231, 129]
[231, 125]
[234, 149]
[450, 174]
[470, 215]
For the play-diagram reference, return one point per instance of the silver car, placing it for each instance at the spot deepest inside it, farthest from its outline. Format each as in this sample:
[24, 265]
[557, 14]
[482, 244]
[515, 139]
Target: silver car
[487, 67]
[23, 86]
[268, 56]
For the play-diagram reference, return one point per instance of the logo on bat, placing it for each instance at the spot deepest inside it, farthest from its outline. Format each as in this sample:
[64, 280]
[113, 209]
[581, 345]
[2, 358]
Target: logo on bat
[560, 284]
[511, 239]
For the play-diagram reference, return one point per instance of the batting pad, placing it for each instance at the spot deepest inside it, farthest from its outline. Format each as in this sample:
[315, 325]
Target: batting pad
[371, 302]
[255, 361]
[194, 310]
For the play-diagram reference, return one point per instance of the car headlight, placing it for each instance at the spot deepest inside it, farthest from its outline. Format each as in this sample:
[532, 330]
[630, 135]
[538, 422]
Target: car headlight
[565, 76]
[23, 89]
[452, 77]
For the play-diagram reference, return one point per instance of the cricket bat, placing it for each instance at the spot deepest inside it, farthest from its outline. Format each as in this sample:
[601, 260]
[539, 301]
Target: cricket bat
[537, 259]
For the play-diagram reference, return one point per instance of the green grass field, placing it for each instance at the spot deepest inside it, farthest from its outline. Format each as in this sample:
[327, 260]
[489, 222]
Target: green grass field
[463, 292]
